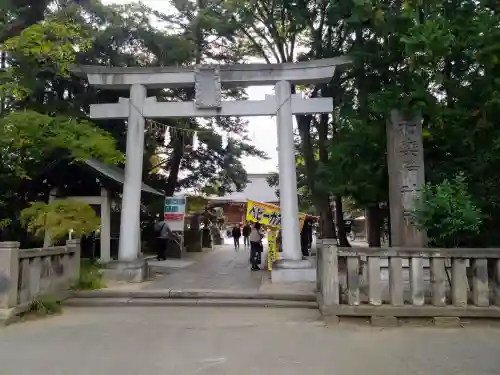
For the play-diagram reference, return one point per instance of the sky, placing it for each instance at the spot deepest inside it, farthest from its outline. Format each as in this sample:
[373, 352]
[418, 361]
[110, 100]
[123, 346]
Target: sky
[261, 130]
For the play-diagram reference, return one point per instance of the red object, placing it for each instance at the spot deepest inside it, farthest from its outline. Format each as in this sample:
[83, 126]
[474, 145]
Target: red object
[173, 217]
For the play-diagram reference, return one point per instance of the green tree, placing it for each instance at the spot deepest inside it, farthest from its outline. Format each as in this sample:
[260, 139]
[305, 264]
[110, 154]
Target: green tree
[45, 108]
[285, 31]
[453, 51]
[31, 132]
[17, 15]
[439, 58]
[59, 218]
[194, 152]
[447, 213]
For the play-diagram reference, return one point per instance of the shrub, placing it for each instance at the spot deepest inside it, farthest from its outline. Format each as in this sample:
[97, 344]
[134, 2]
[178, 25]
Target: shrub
[446, 212]
[44, 305]
[91, 277]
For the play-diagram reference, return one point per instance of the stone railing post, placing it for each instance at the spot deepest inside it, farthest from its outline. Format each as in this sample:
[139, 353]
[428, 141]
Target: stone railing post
[74, 244]
[328, 272]
[9, 274]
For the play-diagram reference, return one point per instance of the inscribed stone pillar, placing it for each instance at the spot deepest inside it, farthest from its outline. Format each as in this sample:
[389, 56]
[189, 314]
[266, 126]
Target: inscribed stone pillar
[289, 205]
[131, 202]
[405, 160]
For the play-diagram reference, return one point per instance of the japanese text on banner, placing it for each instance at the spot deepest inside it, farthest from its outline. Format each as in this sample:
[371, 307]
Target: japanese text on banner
[272, 251]
[267, 214]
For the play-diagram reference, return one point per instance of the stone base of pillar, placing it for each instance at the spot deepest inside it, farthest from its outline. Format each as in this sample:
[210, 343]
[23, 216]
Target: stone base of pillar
[290, 271]
[135, 271]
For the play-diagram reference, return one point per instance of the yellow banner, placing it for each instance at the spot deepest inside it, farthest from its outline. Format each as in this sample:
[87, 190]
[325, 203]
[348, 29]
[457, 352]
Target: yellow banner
[272, 248]
[267, 214]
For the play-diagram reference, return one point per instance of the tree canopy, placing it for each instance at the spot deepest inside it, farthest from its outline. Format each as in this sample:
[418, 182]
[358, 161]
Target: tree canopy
[44, 108]
[439, 57]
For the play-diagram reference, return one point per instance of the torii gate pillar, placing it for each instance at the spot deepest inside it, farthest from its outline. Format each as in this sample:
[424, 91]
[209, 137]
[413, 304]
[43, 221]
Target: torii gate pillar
[130, 236]
[289, 205]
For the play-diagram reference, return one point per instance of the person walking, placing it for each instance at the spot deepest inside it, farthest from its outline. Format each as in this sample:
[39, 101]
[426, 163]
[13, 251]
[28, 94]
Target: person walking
[246, 233]
[236, 232]
[306, 237]
[163, 233]
[255, 246]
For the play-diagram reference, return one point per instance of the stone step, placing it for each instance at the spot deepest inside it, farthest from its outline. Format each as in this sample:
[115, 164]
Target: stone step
[196, 294]
[203, 302]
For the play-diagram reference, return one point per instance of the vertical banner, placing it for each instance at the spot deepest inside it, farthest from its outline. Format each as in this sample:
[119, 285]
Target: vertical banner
[174, 212]
[272, 251]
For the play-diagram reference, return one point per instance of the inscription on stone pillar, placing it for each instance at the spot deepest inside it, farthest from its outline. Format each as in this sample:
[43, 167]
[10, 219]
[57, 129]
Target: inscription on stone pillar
[4, 283]
[406, 176]
[207, 86]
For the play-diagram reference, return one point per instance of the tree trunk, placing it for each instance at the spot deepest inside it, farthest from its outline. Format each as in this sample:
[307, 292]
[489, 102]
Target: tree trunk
[339, 219]
[178, 151]
[322, 202]
[2, 67]
[326, 216]
[322, 127]
[373, 225]
[174, 167]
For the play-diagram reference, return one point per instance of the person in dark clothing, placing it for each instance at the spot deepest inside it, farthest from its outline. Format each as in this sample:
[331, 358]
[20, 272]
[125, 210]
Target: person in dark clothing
[163, 233]
[236, 236]
[279, 242]
[306, 237]
[255, 246]
[246, 233]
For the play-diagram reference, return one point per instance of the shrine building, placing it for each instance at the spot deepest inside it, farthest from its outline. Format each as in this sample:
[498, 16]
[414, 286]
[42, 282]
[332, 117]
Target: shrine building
[234, 204]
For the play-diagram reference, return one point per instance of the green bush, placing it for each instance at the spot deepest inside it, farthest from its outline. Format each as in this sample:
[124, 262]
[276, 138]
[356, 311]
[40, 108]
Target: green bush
[60, 218]
[91, 277]
[447, 213]
[44, 305]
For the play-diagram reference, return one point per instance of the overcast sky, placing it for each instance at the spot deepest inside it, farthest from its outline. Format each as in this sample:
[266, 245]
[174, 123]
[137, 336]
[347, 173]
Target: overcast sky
[262, 130]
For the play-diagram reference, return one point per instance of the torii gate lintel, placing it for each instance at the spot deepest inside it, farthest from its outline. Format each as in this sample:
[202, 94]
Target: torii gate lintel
[243, 108]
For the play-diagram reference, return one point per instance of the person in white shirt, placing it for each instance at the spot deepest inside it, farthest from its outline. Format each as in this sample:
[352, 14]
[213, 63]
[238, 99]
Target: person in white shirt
[255, 246]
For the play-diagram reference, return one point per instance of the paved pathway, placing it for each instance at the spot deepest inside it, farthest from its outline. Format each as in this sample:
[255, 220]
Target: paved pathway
[220, 268]
[226, 341]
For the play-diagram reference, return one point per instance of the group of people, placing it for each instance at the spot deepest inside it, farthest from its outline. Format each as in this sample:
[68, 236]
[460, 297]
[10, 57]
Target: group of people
[252, 237]
[238, 231]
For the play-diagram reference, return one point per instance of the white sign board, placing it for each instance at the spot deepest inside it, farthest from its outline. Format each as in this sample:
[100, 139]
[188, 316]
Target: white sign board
[174, 212]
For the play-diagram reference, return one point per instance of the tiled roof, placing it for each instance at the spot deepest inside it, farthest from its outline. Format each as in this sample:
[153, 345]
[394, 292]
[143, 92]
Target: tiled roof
[116, 174]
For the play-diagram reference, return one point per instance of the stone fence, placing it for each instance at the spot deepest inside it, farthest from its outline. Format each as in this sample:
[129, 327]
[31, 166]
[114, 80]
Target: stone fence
[26, 274]
[408, 282]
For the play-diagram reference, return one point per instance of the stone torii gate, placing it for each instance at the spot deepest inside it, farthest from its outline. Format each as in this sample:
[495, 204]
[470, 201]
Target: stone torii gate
[208, 81]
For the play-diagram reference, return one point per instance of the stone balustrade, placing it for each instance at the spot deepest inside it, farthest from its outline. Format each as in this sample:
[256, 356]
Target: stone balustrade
[408, 282]
[26, 274]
